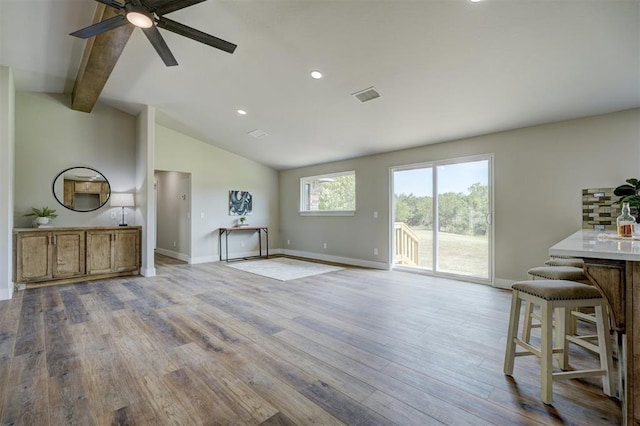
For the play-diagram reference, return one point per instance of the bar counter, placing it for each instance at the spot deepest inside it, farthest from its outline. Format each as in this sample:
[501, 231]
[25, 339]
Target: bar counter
[613, 265]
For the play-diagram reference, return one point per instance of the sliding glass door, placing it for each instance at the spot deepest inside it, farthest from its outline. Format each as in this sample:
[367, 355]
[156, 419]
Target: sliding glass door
[442, 217]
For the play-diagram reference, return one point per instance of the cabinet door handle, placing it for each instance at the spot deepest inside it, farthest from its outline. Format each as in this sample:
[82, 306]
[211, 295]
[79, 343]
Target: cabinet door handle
[55, 240]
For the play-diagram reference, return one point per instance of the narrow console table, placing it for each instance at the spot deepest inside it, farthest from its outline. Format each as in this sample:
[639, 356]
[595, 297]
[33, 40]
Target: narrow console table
[613, 265]
[257, 229]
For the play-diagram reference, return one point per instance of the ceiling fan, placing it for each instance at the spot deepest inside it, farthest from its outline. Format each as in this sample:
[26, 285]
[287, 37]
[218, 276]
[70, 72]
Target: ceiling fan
[149, 15]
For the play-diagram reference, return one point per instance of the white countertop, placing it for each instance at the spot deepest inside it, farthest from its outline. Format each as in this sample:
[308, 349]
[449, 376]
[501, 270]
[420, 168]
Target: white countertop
[586, 243]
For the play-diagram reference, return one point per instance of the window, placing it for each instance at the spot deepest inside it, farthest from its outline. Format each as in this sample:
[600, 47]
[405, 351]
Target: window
[330, 194]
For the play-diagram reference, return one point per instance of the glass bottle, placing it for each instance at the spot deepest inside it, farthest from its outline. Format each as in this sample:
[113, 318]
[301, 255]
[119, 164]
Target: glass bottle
[625, 222]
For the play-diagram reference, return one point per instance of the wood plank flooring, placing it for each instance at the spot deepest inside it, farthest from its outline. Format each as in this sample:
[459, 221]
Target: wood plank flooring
[210, 345]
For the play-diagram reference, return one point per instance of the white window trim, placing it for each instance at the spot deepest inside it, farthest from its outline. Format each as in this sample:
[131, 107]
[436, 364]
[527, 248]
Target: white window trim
[323, 212]
[328, 213]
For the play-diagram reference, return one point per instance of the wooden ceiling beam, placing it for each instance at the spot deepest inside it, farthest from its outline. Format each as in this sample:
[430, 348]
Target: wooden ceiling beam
[100, 56]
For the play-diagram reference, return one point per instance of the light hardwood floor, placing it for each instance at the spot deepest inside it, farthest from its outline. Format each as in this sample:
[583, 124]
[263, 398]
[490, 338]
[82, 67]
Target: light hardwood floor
[210, 345]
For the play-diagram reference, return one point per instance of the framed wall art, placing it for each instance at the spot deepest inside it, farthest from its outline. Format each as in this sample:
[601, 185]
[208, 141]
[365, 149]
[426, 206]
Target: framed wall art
[240, 203]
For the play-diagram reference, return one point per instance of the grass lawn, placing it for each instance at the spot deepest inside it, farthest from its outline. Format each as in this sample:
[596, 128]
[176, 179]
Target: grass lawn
[459, 254]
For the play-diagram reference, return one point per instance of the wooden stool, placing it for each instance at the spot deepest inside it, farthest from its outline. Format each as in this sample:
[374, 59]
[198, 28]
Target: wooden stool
[569, 273]
[557, 272]
[565, 261]
[559, 295]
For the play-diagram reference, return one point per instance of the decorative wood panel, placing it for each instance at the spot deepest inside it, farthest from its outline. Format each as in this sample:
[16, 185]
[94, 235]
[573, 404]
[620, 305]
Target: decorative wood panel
[33, 256]
[99, 252]
[68, 254]
[127, 250]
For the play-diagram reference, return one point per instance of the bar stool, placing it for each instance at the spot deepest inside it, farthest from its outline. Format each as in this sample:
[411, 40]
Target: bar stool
[553, 272]
[565, 261]
[559, 295]
[569, 273]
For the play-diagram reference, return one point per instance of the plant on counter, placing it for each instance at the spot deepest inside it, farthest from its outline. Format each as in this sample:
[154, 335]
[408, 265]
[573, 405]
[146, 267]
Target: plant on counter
[630, 193]
[44, 212]
[42, 215]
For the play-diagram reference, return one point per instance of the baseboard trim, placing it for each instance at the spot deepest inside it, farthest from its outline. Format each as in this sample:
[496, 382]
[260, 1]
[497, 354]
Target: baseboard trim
[338, 259]
[7, 293]
[148, 272]
[173, 254]
[502, 283]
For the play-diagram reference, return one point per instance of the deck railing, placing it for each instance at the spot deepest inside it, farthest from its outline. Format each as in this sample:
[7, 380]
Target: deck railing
[407, 250]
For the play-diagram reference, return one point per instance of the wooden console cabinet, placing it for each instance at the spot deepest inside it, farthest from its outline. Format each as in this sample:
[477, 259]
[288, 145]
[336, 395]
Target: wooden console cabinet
[112, 250]
[61, 255]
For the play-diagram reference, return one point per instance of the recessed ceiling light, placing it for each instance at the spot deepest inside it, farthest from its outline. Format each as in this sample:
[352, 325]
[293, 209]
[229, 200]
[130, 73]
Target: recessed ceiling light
[475, 1]
[242, 112]
[316, 74]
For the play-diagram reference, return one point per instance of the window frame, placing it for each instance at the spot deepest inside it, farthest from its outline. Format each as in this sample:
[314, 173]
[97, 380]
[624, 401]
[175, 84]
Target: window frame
[305, 181]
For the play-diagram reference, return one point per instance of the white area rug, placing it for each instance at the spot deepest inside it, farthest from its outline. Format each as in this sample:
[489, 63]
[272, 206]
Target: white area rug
[283, 269]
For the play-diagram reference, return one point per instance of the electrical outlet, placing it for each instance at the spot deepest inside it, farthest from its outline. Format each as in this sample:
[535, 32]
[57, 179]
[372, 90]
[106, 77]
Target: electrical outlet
[201, 215]
[288, 242]
[242, 244]
[174, 243]
[113, 215]
[375, 215]
[324, 245]
[375, 251]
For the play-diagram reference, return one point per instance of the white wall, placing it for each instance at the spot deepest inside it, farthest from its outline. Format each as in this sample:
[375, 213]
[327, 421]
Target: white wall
[539, 174]
[173, 214]
[7, 146]
[51, 137]
[214, 172]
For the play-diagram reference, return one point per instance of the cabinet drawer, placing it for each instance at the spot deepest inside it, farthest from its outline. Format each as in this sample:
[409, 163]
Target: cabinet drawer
[88, 187]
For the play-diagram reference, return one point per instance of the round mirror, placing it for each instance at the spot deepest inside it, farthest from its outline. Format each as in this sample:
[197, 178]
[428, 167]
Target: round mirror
[81, 189]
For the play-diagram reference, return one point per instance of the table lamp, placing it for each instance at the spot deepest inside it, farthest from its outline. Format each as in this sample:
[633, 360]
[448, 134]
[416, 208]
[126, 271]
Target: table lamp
[123, 200]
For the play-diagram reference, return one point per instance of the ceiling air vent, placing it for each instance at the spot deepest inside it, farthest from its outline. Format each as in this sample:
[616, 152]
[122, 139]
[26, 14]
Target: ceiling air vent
[258, 134]
[367, 95]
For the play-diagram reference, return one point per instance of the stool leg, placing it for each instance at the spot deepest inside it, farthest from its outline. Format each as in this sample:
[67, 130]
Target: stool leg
[546, 373]
[604, 345]
[514, 320]
[563, 325]
[526, 324]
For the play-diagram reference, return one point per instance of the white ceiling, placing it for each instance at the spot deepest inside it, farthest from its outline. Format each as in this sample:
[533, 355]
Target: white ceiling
[447, 69]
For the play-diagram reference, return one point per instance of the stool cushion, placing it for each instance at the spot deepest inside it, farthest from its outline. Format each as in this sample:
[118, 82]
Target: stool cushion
[570, 273]
[557, 289]
[577, 263]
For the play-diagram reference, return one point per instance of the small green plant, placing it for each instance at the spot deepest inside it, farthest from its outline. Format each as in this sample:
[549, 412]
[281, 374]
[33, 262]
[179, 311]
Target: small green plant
[243, 220]
[630, 193]
[44, 212]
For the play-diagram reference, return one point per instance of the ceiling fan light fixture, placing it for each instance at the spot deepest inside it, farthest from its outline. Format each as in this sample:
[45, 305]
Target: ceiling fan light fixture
[139, 17]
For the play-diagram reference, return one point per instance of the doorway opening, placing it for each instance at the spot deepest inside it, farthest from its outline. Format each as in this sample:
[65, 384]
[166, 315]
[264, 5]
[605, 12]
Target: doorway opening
[173, 214]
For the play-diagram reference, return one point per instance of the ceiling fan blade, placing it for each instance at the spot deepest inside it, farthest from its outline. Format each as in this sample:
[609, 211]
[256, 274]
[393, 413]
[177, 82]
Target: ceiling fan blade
[162, 7]
[160, 45]
[112, 3]
[101, 27]
[196, 35]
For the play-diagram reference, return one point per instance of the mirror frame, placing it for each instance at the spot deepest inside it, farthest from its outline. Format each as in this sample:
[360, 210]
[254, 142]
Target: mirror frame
[61, 202]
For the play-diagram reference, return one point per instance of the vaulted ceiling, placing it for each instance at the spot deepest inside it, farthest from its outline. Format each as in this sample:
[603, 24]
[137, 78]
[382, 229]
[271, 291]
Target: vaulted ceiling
[446, 69]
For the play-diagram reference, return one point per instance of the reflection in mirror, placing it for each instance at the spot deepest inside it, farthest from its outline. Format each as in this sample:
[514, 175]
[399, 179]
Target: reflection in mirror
[81, 189]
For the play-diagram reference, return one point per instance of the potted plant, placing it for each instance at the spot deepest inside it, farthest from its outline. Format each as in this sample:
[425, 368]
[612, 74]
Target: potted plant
[42, 215]
[630, 193]
[243, 221]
